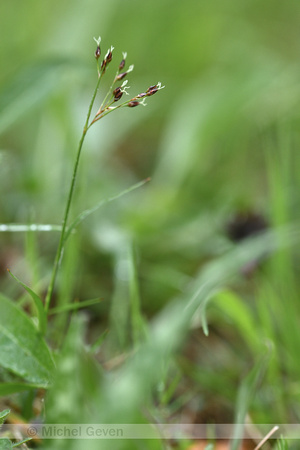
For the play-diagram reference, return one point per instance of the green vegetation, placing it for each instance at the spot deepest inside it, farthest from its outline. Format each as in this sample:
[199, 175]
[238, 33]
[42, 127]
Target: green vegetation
[176, 300]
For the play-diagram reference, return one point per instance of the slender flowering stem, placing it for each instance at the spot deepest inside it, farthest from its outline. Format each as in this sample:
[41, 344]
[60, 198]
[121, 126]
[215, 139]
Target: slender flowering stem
[60, 247]
[105, 108]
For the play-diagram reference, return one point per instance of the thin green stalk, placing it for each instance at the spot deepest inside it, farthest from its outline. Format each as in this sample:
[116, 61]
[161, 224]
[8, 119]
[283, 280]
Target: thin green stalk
[60, 247]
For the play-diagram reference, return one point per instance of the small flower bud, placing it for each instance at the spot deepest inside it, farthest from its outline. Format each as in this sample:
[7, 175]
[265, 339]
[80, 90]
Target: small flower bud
[109, 57]
[141, 95]
[98, 50]
[132, 104]
[123, 74]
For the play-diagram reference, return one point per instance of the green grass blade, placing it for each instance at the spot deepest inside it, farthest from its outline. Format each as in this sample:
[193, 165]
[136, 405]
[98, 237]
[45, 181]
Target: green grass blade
[42, 317]
[217, 273]
[74, 306]
[17, 444]
[82, 216]
[24, 351]
[97, 344]
[138, 325]
[245, 396]
[282, 444]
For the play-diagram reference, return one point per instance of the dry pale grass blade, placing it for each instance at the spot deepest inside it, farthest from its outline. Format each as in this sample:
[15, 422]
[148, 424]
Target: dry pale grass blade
[274, 429]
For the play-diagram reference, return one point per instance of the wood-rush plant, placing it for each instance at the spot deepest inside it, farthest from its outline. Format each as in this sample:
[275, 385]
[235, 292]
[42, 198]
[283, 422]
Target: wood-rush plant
[114, 95]
[24, 351]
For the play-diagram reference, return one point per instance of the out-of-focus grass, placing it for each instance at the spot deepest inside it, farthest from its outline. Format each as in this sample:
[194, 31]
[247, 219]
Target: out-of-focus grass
[221, 138]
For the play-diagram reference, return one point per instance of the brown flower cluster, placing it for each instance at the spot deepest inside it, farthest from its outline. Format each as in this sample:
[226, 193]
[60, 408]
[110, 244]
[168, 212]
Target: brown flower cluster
[116, 91]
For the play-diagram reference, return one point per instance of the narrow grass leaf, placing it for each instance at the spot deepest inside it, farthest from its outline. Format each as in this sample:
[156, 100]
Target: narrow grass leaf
[219, 272]
[97, 344]
[74, 306]
[17, 444]
[138, 324]
[245, 396]
[282, 444]
[240, 314]
[23, 349]
[42, 317]
[82, 216]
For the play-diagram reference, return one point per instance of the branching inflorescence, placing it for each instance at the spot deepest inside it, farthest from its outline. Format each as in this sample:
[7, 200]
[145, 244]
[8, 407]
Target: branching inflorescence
[114, 95]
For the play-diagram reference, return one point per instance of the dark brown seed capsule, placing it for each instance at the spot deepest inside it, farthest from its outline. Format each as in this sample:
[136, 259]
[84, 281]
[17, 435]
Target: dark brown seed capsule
[150, 88]
[152, 92]
[132, 104]
[98, 52]
[109, 57]
[117, 93]
[122, 64]
[121, 76]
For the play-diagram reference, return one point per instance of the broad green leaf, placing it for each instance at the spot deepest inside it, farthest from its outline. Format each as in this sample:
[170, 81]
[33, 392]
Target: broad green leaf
[42, 317]
[23, 349]
[5, 444]
[4, 414]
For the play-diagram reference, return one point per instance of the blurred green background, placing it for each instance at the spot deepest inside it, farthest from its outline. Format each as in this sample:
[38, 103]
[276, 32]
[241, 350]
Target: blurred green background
[221, 139]
[231, 72]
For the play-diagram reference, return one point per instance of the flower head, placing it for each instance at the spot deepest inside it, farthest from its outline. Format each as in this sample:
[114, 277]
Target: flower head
[122, 63]
[98, 49]
[123, 74]
[153, 89]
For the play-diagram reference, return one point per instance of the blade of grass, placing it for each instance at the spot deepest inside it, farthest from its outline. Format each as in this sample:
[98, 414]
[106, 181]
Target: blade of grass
[42, 317]
[17, 444]
[74, 306]
[82, 216]
[245, 396]
[97, 344]
[138, 324]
